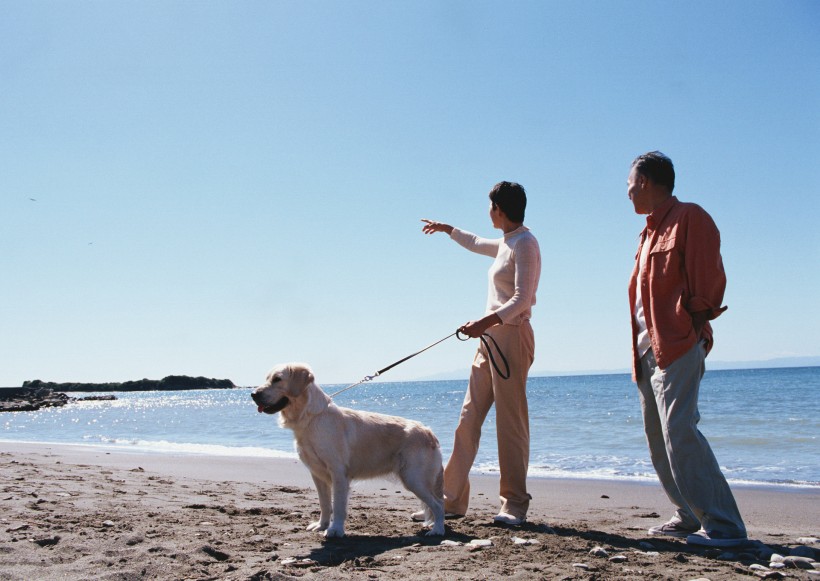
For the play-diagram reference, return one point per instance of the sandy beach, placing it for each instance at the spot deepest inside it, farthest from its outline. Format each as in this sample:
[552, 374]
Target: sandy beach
[73, 512]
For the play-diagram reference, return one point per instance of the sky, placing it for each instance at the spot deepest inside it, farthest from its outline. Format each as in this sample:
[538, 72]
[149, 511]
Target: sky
[212, 188]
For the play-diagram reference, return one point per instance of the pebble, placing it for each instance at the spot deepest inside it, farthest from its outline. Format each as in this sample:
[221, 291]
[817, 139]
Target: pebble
[618, 558]
[772, 575]
[47, 541]
[598, 552]
[294, 562]
[584, 566]
[646, 546]
[108, 523]
[808, 540]
[215, 553]
[449, 543]
[520, 541]
[799, 562]
[757, 567]
[481, 543]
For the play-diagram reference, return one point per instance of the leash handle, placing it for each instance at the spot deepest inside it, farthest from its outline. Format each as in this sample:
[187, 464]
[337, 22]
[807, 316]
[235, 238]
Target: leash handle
[490, 353]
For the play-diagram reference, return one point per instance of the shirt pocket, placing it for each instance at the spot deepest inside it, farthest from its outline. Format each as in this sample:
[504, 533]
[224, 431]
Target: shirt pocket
[663, 256]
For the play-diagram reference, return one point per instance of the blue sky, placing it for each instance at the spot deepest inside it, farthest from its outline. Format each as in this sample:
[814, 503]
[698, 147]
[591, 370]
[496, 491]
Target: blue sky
[211, 188]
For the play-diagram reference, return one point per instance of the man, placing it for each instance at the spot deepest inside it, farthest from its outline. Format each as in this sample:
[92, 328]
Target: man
[513, 279]
[676, 288]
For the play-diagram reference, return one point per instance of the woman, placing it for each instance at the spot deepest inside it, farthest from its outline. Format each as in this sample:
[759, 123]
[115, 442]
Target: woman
[513, 281]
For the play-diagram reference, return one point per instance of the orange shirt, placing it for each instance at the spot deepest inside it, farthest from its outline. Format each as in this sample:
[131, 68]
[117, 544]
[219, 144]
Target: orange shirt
[683, 274]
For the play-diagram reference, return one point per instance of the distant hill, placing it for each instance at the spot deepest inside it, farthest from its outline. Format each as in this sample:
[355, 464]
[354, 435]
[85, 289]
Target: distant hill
[780, 362]
[170, 383]
[766, 363]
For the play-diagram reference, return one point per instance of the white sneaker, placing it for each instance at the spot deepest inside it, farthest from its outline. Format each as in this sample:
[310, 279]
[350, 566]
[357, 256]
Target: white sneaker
[508, 519]
[703, 538]
[419, 516]
[672, 528]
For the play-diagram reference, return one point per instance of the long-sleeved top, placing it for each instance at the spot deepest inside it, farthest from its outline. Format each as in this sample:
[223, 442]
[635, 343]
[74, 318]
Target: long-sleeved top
[683, 274]
[514, 275]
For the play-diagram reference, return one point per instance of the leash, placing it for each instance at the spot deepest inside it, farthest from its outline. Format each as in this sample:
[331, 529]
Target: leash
[457, 334]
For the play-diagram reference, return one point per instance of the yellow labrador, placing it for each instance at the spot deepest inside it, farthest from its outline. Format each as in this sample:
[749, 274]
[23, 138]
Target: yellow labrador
[339, 445]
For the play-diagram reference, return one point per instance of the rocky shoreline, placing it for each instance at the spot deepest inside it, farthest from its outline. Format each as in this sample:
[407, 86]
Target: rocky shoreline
[32, 399]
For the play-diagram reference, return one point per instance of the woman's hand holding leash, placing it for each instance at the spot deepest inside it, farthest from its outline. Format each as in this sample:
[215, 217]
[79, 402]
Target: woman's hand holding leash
[477, 328]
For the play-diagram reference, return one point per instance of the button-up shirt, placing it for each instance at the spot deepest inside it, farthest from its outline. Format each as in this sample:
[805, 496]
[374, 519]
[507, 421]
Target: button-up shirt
[683, 274]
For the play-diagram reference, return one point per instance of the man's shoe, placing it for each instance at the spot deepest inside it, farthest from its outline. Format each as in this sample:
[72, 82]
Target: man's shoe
[671, 529]
[508, 519]
[704, 538]
[420, 516]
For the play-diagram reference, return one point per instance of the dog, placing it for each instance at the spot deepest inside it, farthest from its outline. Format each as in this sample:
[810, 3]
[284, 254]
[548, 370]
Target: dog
[339, 445]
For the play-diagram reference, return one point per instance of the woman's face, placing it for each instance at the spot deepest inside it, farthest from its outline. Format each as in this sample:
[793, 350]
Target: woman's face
[495, 216]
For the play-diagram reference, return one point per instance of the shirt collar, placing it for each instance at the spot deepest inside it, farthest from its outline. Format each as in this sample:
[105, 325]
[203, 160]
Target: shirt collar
[659, 213]
[515, 232]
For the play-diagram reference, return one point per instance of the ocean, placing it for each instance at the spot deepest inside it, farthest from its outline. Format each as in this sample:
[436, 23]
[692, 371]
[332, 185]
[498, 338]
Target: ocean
[763, 424]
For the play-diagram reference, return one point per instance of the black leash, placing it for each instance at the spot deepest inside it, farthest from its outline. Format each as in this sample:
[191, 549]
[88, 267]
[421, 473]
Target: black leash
[460, 338]
[492, 359]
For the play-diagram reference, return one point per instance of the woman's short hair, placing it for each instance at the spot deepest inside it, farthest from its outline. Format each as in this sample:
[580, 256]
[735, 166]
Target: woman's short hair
[657, 167]
[511, 198]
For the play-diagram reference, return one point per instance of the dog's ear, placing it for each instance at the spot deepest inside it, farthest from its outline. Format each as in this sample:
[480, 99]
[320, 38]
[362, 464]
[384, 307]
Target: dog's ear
[300, 377]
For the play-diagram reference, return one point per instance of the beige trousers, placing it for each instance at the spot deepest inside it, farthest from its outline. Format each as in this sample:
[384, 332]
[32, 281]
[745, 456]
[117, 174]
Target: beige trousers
[486, 387]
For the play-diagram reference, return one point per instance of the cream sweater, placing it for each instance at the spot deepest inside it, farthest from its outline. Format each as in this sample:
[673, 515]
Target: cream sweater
[513, 277]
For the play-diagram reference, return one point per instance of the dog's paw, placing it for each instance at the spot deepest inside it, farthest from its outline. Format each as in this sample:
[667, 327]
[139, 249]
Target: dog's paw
[334, 532]
[435, 532]
[317, 526]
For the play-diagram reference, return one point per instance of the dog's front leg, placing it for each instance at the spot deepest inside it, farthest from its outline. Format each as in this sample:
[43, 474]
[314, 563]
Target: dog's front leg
[325, 508]
[341, 489]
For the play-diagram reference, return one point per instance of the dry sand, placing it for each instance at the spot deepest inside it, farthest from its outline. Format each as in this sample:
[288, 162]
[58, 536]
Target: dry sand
[72, 512]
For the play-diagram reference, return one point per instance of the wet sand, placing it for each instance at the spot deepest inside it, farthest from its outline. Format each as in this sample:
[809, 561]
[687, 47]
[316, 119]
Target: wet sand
[74, 512]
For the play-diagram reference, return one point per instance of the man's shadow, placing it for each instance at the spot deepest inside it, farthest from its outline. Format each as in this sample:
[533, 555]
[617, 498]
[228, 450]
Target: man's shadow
[362, 550]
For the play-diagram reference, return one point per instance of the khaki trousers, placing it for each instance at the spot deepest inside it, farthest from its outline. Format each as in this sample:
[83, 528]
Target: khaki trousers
[683, 459]
[512, 422]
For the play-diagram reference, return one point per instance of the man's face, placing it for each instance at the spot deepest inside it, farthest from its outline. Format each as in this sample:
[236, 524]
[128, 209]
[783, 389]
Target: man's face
[638, 192]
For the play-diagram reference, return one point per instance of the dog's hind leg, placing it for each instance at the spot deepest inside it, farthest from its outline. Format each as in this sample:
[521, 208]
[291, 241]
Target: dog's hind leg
[427, 486]
[325, 507]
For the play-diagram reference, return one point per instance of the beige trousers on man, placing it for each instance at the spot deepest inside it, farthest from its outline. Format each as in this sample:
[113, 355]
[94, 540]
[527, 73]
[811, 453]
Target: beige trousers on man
[486, 387]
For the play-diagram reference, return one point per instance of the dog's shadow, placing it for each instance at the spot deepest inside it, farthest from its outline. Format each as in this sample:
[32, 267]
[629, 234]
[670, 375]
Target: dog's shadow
[362, 550]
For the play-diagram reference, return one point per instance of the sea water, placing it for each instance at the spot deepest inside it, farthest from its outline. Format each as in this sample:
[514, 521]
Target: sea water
[763, 424]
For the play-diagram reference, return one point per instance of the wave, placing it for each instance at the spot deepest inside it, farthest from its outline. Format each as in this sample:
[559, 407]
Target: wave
[485, 468]
[166, 447]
